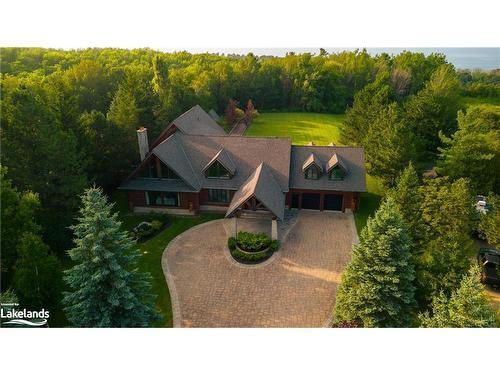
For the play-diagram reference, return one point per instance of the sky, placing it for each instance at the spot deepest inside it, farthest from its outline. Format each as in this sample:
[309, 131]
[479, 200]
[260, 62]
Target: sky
[196, 24]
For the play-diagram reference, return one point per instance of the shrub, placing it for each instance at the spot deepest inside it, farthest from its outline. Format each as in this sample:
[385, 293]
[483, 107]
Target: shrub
[231, 243]
[156, 224]
[253, 242]
[239, 255]
[275, 245]
[143, 229]
[254, 257]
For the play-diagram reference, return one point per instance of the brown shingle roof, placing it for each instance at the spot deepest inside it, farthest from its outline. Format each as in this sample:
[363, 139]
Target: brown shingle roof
[222, 157]
[247, 153]
[197, 121]
[262, 185]
[353, 159]
[172, 153]
[312, 159]
[335, 160]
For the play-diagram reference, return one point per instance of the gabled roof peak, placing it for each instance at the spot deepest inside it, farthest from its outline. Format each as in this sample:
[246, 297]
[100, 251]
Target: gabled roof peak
[312, 159]
[223, 158]
[334, 161]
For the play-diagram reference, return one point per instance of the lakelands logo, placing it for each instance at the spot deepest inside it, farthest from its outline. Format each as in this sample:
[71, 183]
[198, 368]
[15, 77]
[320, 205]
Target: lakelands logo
[22, 317]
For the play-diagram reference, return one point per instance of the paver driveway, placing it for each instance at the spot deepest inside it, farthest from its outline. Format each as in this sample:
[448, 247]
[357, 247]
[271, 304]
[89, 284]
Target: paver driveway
[296, 287]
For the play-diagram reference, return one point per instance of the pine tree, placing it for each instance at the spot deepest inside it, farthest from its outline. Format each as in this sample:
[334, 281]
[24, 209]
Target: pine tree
[377, 285]
[123, 111]
[467, 306]
[107, 290]
[405, 195]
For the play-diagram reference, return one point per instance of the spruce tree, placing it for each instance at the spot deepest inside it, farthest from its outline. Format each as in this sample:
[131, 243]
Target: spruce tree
[405, 195]
[467, 307]
[377, 286]
[107, 290]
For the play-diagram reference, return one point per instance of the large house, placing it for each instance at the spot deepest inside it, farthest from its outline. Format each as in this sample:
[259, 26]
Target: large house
[195, 166]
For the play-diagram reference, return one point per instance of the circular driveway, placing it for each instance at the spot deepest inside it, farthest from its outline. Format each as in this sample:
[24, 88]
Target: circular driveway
[295, 288]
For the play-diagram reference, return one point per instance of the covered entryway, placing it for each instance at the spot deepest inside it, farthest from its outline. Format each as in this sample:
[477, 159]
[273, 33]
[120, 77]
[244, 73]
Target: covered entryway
[311, 201]
[333, 202]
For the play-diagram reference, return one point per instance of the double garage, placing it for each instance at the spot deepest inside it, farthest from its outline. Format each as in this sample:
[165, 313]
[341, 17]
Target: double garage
[317, 201]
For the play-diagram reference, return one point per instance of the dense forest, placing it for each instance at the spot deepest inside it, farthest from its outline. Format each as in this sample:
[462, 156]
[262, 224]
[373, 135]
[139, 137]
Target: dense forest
[69, 118]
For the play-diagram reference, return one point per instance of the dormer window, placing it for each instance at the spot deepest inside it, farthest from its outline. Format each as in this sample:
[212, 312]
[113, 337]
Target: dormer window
[217, 170]
[336, 174]
[312, 172]
[312, 167]
[336, 168]
[220, 166]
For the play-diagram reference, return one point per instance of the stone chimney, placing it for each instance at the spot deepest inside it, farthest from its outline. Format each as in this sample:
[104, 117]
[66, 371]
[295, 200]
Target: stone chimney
[142, 136]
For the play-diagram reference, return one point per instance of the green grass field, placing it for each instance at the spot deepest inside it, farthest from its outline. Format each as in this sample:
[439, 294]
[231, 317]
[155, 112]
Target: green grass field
[302, 127]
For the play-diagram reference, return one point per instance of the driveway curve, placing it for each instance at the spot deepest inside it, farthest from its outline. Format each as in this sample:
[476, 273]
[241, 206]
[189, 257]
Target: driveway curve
[295, 288]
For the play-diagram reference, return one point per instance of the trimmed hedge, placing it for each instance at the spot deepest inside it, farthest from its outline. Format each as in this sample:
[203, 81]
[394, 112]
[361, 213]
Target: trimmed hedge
[253, 242]
[232, 243]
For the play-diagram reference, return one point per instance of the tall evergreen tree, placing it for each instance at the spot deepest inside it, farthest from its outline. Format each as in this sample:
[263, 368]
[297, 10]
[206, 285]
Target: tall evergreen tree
[377, 285]
[405, 195]
[123, 111]
[108, 291]
[467, 307]
[388, 145]
[434, 109]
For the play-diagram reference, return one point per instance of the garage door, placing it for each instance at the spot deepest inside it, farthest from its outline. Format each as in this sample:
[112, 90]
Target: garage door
[333, 202]
[310, 201]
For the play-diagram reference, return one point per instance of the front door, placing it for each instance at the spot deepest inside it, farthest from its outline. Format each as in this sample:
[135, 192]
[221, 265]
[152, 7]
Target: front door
[295, 200]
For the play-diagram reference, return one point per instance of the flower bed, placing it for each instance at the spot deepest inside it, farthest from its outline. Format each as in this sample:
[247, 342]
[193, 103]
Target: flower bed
[251, 248]
[146, 230]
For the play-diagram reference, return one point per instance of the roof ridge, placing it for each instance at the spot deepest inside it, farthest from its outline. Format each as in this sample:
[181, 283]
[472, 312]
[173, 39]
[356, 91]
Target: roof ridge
[190, 164]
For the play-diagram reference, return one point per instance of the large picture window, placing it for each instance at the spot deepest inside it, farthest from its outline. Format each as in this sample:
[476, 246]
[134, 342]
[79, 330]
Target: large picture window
[163, 198]
[217, 170]
[218, 196]
[312, 173]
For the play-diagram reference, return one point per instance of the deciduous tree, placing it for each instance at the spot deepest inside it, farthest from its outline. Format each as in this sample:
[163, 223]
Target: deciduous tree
[38, 277]
[473, 151]
[489, 223]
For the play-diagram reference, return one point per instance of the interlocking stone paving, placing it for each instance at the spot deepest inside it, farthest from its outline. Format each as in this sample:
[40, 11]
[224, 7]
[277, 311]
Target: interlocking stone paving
[296, 287]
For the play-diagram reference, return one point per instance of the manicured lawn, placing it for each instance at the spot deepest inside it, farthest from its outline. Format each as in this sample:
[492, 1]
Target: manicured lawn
[302, 127]
[152, 250]
[150, 261]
